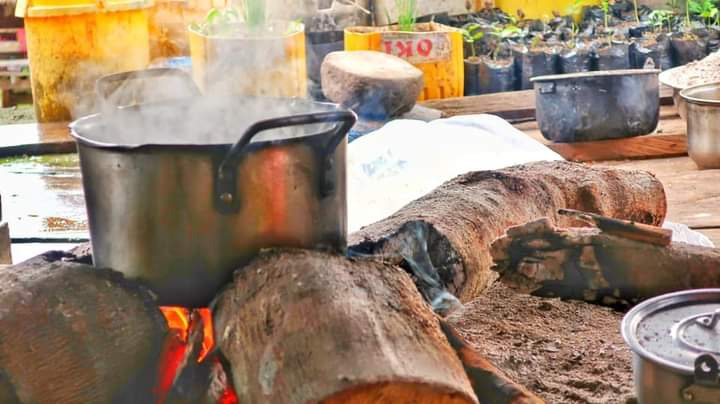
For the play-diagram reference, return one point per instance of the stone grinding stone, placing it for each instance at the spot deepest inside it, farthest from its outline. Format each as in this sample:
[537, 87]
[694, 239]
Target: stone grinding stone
[374, 84]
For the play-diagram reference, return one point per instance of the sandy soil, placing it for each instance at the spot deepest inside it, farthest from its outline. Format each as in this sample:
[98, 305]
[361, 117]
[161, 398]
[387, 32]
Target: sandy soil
[566, 352]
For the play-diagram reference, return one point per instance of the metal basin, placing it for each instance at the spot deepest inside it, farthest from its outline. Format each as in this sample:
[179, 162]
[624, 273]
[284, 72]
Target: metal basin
[597, 105]
[703, 124]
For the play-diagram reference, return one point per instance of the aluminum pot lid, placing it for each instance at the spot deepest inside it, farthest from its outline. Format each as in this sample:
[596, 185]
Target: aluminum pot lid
[675, 329]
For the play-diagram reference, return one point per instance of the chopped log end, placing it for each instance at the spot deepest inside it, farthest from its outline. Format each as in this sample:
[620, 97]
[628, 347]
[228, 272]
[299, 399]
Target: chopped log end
[72, 333]
[400, 393]
[293, 320]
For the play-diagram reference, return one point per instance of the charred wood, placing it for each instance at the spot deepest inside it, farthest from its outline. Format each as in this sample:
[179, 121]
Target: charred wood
[444, 237]
[590, 264]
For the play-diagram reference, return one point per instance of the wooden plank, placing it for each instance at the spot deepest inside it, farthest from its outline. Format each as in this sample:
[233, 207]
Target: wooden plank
[669, 140]
[693, 195]
[514, 105]
[35, 139]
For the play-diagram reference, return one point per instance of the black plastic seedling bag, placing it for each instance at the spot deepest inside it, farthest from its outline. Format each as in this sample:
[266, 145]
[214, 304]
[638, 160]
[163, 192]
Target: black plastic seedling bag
[687, 48]
[657, 49]
[615, 56]
[531, 63]
[576, 60]
[484, 75]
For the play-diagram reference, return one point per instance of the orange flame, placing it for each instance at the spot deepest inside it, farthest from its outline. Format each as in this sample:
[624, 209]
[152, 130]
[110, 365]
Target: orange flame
[178, 320]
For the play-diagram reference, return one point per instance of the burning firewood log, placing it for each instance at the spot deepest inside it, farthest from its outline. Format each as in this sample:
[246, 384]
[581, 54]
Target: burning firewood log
[608, 266]
[301, 326]
[71, 333]
[445, 236]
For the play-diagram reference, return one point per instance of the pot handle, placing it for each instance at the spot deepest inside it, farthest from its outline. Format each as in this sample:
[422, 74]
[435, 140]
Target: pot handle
[116, 90]
[226, 193]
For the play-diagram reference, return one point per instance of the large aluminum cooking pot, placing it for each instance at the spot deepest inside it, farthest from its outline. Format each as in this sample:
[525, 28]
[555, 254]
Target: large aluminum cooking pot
[675, 341]
[181, 192]
[702, 104]
[597, 105]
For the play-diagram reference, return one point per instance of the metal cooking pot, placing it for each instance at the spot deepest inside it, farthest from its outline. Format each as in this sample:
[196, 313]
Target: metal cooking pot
[675, 341]
[702, 104]
[597, 105]
[181, 192]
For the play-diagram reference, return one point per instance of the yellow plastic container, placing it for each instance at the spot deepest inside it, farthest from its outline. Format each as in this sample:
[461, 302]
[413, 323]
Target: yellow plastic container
[435, 49]
[73, 42]
[169, 21]
[541, 9]
[272, 65]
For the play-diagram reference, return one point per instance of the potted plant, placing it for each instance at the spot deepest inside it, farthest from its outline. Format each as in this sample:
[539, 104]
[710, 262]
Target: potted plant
[489, 69]
[536, 58]
[435, 49]
[687, 46]
[655, 44]
[241, 51]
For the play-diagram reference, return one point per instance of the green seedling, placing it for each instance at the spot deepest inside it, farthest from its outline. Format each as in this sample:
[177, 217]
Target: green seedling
[660, 18]
[574, 9]
[705, 9]
[254, 14]
[605, 6]
[407, 17]
[471, 35]
[219, 21]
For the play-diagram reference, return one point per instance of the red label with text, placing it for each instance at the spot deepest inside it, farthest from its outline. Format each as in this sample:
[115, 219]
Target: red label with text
[417, 47]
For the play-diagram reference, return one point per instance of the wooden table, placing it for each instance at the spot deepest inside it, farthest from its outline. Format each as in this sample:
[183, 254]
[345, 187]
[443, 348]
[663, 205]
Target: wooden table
[693, 194]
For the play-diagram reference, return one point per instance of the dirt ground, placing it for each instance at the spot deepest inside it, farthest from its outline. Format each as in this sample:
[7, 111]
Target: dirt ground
[566, 352]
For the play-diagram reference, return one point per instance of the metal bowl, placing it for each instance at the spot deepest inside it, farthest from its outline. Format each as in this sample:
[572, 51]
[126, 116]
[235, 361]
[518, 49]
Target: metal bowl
[677, 100]
[703, 123]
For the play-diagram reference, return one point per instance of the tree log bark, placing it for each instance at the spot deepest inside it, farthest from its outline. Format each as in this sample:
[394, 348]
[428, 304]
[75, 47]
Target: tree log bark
[445, 236]
[71, 333]
[592, 265]
[301, 326]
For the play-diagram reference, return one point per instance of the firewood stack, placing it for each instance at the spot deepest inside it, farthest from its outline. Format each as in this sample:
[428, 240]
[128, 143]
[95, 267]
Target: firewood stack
[301, 326]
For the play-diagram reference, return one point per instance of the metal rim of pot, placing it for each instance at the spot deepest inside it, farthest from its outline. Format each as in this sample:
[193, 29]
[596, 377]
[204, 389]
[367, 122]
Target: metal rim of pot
[689, 94]
[632, 319]
[600, 73]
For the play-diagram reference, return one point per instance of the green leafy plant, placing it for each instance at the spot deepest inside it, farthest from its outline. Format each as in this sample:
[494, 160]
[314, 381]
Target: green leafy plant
[218, 21]
[705, 9]
[504, 34]
[254, 14]
[572, 10]
[605, 6]
[406, 14]
[660, 18]
[472, 34]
